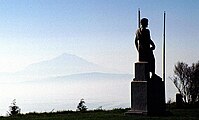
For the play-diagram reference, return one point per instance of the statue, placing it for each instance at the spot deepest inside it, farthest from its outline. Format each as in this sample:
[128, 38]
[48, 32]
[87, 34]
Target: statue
[145, 45]
[147, 91]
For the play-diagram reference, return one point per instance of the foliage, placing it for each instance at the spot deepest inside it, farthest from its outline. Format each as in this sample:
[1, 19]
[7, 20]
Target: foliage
[178, 114]
[194, 86]
[186, 80]
[81, 106]
[14, 109]
[99, 109]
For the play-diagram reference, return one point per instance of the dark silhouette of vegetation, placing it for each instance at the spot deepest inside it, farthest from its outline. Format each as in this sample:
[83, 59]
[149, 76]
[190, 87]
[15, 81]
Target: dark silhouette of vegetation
[186, 80]
[99, 109]
[14, 109]
[81, 106]
[115, 114]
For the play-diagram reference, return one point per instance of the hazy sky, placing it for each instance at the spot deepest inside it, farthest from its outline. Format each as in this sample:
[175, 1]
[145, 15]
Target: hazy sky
[100, 31]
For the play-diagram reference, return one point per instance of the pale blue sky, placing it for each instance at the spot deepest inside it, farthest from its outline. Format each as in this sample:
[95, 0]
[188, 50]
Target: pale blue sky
[101, 31]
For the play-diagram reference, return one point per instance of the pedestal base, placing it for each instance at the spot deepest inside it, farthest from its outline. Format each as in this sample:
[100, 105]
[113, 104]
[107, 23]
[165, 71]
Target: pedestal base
[147, 94]
[148, 97]
[136, 112]
[139, 96]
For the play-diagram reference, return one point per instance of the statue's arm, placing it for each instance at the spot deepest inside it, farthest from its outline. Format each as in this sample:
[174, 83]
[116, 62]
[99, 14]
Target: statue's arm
[136, 40]
[136, 43]
[152, 44]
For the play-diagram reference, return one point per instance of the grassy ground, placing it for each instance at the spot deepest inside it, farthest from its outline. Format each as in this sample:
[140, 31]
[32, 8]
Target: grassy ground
[178, 114]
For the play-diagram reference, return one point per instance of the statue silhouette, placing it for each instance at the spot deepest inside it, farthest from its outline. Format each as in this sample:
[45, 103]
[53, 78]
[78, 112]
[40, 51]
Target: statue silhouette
[145, 45]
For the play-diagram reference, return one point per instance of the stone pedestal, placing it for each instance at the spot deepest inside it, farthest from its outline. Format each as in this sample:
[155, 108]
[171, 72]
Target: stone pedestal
[139, 96]
[156, 96]
[141, 71]
[147, 94]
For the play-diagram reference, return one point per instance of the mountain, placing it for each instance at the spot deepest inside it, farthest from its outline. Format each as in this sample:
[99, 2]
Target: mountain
[64, 64]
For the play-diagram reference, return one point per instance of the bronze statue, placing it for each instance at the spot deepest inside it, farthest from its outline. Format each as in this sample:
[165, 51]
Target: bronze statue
[145, 45]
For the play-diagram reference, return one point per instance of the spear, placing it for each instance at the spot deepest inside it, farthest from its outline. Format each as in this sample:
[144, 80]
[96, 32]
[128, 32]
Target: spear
[164, 52]
[164, 46]
[138, 17]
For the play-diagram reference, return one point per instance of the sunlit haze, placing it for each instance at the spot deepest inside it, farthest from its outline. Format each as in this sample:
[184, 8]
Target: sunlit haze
[99, 33]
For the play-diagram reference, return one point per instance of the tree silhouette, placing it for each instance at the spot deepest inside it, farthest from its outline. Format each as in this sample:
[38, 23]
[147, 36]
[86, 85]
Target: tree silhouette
[194, 83]
[186, 80]
[14, 109]
[81, 106]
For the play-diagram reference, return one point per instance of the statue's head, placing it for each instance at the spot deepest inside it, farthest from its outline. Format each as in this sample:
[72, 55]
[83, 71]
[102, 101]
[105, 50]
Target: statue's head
[144, 22]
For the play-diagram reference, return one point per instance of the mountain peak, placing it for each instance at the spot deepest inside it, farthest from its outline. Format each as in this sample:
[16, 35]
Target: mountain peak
[70, 58]
[62, 65]
[66, 55]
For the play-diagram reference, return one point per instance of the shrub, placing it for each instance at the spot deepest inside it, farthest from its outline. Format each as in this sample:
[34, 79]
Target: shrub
[14, 109]
[81, 106]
